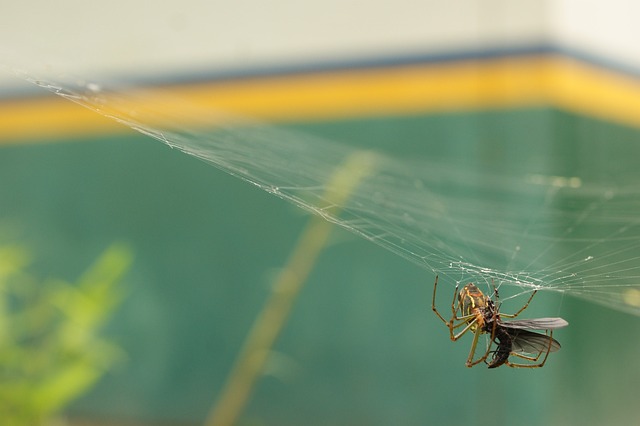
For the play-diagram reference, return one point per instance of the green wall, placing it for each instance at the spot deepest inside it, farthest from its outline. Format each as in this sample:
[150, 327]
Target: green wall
[362, 345]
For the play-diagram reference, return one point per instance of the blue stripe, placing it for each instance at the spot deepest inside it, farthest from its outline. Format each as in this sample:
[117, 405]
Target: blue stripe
[388, 62]
[377, 62]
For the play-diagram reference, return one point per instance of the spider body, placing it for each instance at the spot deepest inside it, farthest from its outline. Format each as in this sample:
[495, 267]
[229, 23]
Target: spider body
[480, 314]
[475, 305]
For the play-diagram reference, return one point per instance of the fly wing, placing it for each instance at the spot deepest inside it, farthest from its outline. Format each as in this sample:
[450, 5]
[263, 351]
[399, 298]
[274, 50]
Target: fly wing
[532, 343]
[535, 323]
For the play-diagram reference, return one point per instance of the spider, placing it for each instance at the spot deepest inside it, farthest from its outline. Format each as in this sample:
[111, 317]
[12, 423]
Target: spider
[480, 314]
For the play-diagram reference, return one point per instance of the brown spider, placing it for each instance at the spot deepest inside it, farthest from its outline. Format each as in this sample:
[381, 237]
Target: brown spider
[480, 314]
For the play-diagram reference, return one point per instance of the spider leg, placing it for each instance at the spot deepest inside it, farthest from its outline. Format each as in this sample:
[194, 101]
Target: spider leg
[543, 351]
[464, 320]
[470, 362]
[467, 328]
[534, 359]
[472, 352]
[454, 308]
[526, 305]
[433, 303]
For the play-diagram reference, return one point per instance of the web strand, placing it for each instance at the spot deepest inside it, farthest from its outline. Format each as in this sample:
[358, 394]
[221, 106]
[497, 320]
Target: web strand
[559, 234]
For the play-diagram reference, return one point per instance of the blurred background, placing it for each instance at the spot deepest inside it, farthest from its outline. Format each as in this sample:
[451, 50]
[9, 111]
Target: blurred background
[132, 274]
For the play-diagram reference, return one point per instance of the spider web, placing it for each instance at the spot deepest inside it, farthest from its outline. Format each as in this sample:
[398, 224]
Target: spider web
[576, 233]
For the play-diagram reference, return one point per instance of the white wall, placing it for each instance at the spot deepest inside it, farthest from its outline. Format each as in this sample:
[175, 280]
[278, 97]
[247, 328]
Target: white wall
[609, 30]
[157, 38]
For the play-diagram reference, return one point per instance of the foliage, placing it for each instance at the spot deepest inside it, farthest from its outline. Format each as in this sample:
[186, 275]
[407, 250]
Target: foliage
[50, 350]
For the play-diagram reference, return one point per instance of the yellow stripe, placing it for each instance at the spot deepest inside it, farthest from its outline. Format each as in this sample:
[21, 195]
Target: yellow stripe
[551, 80]
[51, 117]
[595, 92]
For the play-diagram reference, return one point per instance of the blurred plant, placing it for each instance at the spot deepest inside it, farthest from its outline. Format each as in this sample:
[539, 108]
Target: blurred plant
[50, 350]
[253, 357]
